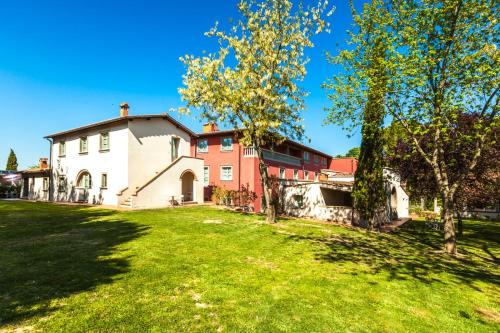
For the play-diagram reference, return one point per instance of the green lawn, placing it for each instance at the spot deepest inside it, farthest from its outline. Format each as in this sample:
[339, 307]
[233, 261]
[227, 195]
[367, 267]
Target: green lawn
[77, 269]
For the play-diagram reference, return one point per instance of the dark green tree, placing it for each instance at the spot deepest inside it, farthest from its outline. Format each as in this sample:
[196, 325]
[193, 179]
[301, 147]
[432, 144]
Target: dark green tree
[368, 61]
[11, 161]
[368, 191]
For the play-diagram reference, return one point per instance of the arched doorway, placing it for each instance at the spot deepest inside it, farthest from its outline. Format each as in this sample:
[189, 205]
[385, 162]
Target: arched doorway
[83, 184]
[187, 179]
[394, 204]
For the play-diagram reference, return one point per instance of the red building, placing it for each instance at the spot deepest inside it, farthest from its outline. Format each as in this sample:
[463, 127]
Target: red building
[344, 164]
[230, 165]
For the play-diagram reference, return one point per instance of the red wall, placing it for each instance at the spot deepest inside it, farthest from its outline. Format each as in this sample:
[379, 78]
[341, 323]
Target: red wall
[344, 164]
[246, 169]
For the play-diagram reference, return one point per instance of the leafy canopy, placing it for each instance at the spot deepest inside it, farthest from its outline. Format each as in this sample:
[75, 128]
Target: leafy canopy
[252, 82]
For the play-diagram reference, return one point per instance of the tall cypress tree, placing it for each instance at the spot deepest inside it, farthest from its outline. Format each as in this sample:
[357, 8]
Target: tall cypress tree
[368, 192]
[11, 161]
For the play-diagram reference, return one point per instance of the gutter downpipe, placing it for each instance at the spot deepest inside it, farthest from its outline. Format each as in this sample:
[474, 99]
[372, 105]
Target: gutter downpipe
[51, 192]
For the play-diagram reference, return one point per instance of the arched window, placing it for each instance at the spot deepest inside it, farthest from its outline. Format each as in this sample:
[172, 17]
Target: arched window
[84, 180]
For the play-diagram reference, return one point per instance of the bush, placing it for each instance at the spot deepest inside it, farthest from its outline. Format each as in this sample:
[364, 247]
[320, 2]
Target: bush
[242, 198]
[220, 196]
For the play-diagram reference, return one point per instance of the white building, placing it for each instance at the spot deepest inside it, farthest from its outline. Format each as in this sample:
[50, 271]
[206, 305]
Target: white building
[330, 198]
[136, 161]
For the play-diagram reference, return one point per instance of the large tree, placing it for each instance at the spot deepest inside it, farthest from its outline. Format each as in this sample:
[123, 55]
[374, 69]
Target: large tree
[371, 40]
[11, 161]
[443, 61]
[482, 186]
[252, 83]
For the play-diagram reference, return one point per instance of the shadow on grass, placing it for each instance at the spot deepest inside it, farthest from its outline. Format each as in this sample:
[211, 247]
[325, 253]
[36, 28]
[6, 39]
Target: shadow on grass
[412, 253]
[48, 252]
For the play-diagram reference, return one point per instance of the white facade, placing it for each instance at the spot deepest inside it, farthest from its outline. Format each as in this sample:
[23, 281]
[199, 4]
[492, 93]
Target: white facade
[113, 162]
[399, 201]
[320, 201]
[35, 185]
[331, 200]
[137, 150]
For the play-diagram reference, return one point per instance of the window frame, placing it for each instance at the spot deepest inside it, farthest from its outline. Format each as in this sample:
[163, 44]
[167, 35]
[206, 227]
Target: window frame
[45, 184]
[295, 174]
[104, 175]
[86, 140]
[282, 173]
[62, 152]
[305, 175]
[316, 159]
[324, 162]
[82, 177]
[201, 151]
[306, 159]
[221, 172]
[207, 181]
[316, 176]
[62, 184]
[222, 143]
[101, 149]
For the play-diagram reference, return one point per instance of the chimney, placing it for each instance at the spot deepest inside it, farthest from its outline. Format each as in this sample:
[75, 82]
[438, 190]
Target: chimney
[43, 163]
[124, 109]
[210, 127]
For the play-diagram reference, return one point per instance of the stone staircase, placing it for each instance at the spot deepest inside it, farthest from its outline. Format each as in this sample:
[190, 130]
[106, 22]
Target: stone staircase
[127, 203]
[152, 191]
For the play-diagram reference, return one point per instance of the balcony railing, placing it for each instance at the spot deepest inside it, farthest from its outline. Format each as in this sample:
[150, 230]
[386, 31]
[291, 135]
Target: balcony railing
[279, 157]
[273, 156]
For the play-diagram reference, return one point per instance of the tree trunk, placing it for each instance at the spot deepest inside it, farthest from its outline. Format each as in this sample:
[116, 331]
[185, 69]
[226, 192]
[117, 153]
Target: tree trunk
[268, 191]
[450, 242]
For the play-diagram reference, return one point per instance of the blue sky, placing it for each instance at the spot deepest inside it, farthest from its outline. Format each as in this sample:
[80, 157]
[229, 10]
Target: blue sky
[64, 64]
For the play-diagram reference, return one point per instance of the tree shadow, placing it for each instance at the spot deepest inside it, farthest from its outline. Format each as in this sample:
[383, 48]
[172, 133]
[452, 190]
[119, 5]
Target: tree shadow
[48, 252]
[411, 253]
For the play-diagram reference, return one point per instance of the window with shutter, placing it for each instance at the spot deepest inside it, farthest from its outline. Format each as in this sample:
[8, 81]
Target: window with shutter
[104, 142]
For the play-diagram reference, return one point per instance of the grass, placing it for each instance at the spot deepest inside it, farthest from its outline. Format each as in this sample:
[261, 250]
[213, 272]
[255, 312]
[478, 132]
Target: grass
[78, 269]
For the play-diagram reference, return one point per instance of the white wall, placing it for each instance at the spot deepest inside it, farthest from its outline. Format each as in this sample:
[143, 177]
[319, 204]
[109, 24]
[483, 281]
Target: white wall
[403, 202]
[149, 148]
[313, 204]
[113, 162]
[35, 188]
[159, 191]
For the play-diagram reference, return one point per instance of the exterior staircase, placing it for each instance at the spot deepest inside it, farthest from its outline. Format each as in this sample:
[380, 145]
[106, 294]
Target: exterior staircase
[158, 188]
[127, 203]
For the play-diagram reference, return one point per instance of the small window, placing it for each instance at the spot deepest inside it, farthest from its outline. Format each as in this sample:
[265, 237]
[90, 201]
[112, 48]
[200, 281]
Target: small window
[298, 200]
[175, 147]
[323, 161]
[61, 184]
[306, 156]
[296, 174]
[104, 142]
[282, 173]
[83, 145]
[306, 175]
[226, 144]
[316, 159]
[202, 146]
[206, 175]
[316, 176]
[104, 180]
[226, 173]
[45, 184]
[62, 148]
